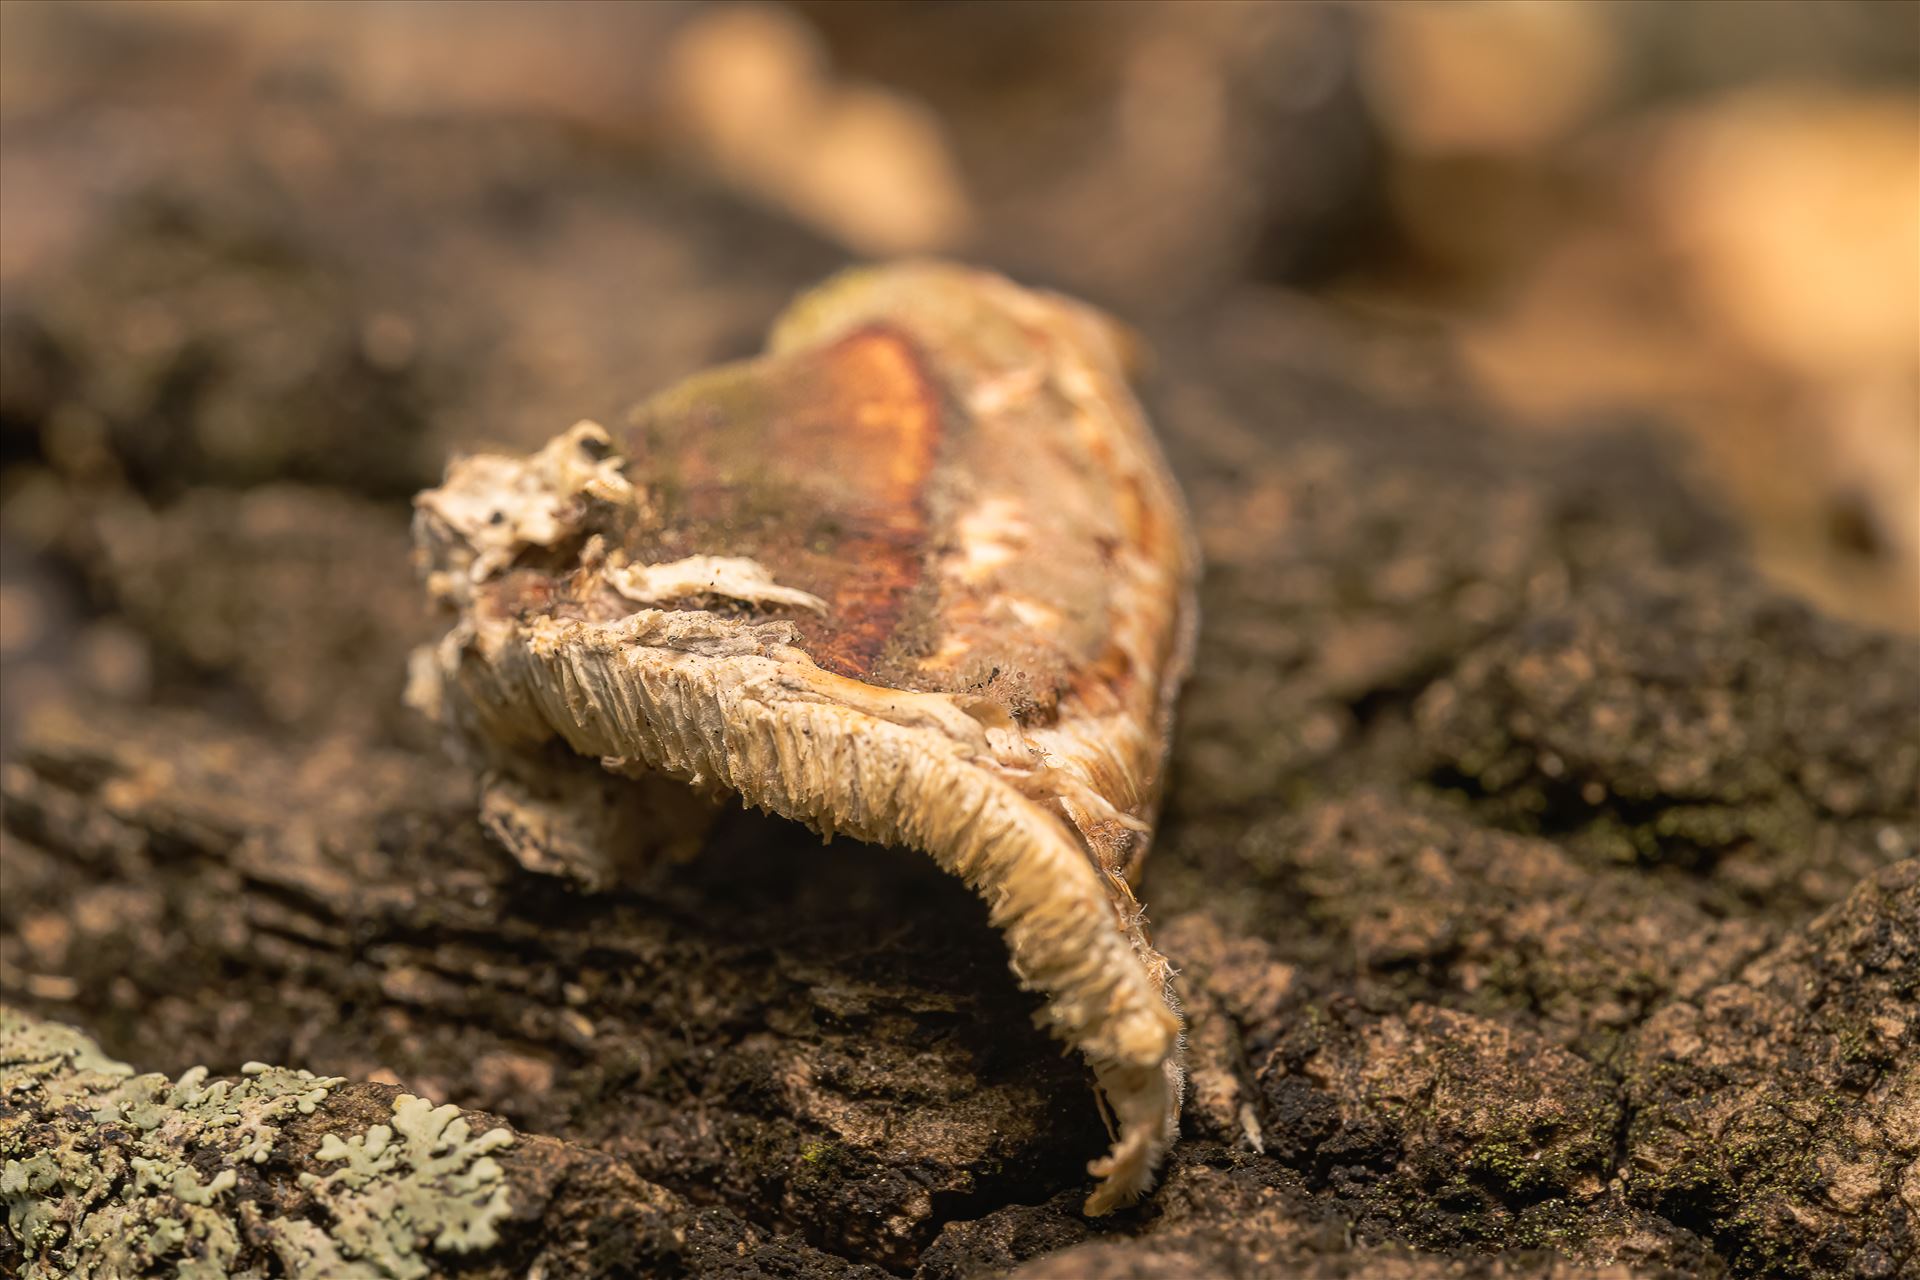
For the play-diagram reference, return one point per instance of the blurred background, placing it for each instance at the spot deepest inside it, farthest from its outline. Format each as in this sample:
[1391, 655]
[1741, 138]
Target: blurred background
[263, 265]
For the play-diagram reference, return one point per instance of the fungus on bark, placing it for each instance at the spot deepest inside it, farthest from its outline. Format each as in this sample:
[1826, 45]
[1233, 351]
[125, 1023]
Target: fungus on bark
[917, 573]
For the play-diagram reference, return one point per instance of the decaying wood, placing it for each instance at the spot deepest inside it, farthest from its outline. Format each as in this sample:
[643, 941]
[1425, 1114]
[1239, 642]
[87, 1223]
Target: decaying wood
[1547, 882]
[111, 1174]
[917, 574]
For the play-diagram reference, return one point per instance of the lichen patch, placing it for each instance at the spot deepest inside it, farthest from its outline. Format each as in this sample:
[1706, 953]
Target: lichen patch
[106, 1174]
[423, 1184]
[149, 1201]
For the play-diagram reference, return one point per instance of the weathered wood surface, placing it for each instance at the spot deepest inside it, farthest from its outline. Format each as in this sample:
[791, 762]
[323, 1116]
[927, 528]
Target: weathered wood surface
[1543, 887]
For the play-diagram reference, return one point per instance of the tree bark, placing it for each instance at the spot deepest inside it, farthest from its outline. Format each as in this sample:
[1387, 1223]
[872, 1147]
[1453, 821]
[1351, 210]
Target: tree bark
[1543, 885]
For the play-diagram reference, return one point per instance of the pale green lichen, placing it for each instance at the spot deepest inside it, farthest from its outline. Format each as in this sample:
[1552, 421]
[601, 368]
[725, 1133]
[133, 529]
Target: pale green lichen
[426, 1179]
[107, 1174]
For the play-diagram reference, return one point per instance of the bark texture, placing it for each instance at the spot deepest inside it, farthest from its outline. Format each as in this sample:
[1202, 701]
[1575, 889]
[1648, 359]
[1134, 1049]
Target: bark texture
[1542, 886]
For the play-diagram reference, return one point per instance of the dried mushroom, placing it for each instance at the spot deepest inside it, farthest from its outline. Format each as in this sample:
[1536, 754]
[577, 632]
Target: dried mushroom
[917, 574]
